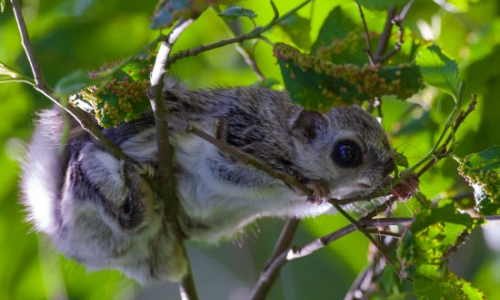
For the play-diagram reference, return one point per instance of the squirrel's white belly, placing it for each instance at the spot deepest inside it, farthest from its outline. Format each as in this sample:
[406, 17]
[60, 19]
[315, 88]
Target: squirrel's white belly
[218, 208]
[215, 214]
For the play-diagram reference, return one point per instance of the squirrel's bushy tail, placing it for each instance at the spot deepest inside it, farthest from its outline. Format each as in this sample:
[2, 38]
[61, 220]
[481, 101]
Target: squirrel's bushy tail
[43, 172]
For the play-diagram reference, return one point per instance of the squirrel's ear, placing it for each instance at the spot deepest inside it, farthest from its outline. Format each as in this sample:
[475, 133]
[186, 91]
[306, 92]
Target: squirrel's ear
[308, 125]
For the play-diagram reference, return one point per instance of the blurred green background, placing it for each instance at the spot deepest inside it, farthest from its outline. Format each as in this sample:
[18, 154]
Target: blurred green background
[84, 34]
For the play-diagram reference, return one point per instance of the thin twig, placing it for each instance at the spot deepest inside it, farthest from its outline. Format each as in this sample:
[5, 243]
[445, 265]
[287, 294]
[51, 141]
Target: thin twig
[21, 80]
[248, 56]
[368, 49]
[367, 283]
[398, 21]
[285, 239]
[380, 247]
[25, 40]
[380, 54]
[255, 33]
[443, 150]
[384, 233]
[386, 35]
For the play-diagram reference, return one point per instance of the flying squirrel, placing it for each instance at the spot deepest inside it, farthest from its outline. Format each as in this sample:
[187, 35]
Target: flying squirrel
[100, 210]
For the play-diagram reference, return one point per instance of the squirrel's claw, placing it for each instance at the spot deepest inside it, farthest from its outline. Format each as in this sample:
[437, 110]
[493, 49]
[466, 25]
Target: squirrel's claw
[321, 192]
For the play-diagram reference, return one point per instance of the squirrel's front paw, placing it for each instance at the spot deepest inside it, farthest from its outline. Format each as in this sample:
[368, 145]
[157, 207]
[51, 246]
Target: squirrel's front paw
[321, 192]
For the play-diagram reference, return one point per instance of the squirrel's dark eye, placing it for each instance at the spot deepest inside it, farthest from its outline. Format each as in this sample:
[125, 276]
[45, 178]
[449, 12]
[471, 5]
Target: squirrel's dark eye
[347, 154]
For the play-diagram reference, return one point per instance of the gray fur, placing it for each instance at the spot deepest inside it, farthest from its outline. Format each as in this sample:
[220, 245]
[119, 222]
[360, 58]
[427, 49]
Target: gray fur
[101, 212]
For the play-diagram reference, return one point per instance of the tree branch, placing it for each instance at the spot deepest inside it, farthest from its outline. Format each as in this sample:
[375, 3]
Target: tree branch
[285, 239]
[238, 154]
[398, 22]
[172, 208]
[358, 226]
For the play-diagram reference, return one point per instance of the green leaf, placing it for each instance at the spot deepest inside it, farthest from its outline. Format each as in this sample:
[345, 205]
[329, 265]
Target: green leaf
[401, 160]
[439, 70]
[319, 85]
[432, 232]
[382, 4]
[236, 12]
[120, 95]
[390, 281]
[8, 74]
[73, 82]
[427, 243]
[482, 171]
[336, 26]
[431, 284]
[298, 29]
[2, 6]
[171, 10]
[445, 212]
